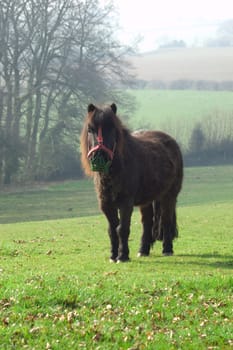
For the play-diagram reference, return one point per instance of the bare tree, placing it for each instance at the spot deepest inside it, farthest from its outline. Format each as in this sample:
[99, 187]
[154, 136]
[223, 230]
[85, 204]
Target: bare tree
[45, 23]
[13, 45]
[55, 55]
[197, 139]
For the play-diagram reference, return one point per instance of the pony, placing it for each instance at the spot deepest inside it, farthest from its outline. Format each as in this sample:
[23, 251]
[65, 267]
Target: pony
[143, 169]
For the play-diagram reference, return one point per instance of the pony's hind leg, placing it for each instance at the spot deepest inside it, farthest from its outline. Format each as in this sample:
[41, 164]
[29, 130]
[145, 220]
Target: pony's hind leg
[168, 225]
[147, 224]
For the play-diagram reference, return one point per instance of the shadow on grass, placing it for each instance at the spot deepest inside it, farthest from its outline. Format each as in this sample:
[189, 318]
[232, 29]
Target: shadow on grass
[47, 217]
[226, 261]
[219, 262]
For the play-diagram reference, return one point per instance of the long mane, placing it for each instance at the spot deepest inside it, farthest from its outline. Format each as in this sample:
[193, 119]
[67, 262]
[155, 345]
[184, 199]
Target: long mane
[84, 139]
[84, 148]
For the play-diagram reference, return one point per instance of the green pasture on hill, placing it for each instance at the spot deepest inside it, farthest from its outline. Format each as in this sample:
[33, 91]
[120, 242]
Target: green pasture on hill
[58, 290]
[71, 199]
[177, 111]
[48, 201]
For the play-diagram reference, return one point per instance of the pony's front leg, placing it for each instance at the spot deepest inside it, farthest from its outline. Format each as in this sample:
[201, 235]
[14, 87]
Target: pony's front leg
[147, 223]
[111, 214]
[123, 231]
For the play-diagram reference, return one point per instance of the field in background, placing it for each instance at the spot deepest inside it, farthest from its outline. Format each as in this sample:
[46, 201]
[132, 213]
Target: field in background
[178, 111]
[58, 290]
[77, 198]
[161, 107]
[213, 64]
[48, 201]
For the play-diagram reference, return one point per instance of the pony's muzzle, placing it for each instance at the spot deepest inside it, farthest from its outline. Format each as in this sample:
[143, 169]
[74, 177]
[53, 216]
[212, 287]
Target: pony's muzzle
[100, 161]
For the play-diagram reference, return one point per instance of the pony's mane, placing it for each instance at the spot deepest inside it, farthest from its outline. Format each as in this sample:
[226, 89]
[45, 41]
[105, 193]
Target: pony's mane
[89, 119]
[84, 147]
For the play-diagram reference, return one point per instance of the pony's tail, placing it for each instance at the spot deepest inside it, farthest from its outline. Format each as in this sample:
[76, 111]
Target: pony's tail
[158, 229]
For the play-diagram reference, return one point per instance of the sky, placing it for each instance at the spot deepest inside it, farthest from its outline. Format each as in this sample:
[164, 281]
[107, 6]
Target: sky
[157, 21]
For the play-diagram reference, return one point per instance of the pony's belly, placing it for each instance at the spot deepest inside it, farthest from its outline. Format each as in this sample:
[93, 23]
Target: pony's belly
[143, 200]
[148, 192]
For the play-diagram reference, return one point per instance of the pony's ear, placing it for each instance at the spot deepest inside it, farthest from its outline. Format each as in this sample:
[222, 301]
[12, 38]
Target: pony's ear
[114, 108]
[91, 108]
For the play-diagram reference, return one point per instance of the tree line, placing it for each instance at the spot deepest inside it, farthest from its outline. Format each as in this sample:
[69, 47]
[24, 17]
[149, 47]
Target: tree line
[211, 142]
[55, 57]
[206, 142]
[185, 84]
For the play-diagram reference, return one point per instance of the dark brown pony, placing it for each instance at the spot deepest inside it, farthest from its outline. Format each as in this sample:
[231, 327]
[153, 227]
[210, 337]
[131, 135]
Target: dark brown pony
[144, 169]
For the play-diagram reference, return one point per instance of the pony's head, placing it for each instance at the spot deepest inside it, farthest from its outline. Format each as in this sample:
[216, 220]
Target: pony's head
[101, 138]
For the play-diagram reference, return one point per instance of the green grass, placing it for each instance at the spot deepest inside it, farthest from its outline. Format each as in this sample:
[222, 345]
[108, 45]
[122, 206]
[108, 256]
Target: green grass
[177, 111]
[58, 290]
[160, 106]
[77, 198]
[50, 201]
[207, 185]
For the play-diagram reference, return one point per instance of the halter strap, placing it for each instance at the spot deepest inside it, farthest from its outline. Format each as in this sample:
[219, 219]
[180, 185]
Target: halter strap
[101, 146]
[100, 136]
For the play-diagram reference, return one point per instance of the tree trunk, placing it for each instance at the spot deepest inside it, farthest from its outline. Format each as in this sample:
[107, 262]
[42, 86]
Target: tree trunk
[31, 165]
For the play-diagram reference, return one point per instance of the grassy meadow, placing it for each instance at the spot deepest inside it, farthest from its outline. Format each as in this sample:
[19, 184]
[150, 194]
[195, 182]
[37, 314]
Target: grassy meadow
[58, 290]
[178, 111]
[46, 202]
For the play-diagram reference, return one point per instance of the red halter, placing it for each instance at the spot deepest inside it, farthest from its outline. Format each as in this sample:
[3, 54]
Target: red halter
[101, 146]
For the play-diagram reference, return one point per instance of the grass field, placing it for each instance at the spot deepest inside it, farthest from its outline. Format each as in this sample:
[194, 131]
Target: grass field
[202, 185]
[177, 111]
[45, 202]
[58, 290]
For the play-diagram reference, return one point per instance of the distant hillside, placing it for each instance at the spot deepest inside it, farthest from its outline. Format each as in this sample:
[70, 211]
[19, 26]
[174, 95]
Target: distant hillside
[212, 64]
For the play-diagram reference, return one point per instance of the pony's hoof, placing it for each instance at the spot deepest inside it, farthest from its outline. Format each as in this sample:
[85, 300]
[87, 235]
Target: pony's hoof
[140, 255]
[119, 261]
[168, 254]
[112, 261]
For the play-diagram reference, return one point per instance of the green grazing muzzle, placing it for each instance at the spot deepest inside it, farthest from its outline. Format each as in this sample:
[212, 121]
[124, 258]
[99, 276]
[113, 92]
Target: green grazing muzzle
[99, 163]
[100, 156]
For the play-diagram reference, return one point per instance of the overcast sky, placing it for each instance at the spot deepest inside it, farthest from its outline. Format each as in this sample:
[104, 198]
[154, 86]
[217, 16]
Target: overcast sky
[189, 20]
